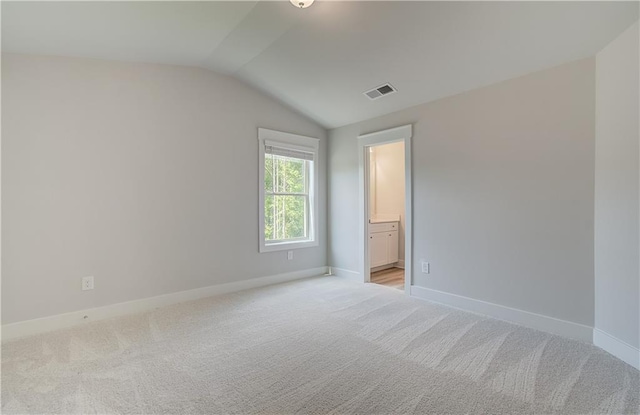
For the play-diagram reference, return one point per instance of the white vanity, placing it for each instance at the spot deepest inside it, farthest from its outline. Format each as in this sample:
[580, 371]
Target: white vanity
[383, 240]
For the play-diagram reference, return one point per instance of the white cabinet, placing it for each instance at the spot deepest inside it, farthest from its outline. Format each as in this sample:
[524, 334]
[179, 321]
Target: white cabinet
[392, 249]
[383, 243]
[378, 249]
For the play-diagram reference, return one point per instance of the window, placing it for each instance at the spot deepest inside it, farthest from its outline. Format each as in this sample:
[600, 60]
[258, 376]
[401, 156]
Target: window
[288, 187]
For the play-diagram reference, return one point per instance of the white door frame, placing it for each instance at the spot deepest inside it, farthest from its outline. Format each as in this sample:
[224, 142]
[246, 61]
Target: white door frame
[393, 135]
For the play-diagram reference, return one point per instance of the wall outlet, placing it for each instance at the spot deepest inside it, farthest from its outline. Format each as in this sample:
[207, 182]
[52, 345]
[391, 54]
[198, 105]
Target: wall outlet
[289, 255]
[87, 283]
[425, 267]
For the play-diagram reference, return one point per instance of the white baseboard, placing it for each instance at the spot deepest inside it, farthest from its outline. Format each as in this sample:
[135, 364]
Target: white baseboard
[74, 318]
[617, 347]
[382, 268]
[514, 315]
[399, 264]
[341, 272]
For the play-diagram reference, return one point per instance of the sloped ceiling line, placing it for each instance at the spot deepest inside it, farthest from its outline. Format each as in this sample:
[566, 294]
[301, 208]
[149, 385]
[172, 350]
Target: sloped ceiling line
[319, 60]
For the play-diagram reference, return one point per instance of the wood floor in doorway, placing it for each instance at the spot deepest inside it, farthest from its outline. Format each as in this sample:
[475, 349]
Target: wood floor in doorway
[392, 277]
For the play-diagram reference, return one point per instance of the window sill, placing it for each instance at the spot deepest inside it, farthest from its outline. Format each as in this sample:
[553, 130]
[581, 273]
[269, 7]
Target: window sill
[285, 246]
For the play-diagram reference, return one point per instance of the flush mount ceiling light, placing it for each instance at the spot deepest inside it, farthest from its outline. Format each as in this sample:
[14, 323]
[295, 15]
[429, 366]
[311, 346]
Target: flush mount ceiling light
[302, 4]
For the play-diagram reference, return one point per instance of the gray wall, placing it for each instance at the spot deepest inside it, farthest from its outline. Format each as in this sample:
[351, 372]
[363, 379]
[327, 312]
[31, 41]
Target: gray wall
[144, 176]
[616, 195]
[503, 192]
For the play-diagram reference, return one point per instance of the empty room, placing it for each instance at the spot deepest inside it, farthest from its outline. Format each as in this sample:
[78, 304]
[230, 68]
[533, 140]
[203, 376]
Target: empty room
[327, 207]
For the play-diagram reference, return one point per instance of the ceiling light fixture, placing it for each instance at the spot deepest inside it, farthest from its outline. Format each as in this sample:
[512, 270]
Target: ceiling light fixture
[302, 4]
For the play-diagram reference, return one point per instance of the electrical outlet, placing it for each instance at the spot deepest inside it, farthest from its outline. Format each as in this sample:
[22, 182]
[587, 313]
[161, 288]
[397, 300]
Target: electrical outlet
[425, 267]
[87, 283]
[289, 255]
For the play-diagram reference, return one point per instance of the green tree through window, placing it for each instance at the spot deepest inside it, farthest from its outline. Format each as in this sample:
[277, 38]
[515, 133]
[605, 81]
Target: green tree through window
[286, 205]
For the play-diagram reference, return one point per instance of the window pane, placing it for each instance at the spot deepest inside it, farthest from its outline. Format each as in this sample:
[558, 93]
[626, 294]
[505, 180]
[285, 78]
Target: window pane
[268, 218]
[284, 174]
[285, 217]
[268, 172]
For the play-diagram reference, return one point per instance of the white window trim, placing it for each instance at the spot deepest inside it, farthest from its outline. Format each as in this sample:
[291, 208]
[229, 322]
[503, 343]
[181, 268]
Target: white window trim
[297, 142]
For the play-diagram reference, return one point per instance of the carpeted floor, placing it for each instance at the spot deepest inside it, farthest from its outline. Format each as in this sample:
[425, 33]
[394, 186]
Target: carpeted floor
[323, 345]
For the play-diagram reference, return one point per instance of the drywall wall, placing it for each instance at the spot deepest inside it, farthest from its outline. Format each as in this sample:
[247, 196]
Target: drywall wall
[617, 272]
[389, 185]
[502, 192]
[143, 176]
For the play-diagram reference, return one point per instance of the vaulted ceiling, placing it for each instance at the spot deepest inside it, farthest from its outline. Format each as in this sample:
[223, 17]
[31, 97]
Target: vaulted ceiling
[321, 59]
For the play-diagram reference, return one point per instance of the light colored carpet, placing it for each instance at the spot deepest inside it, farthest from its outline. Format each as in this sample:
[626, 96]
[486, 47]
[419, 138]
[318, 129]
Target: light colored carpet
[322, 345]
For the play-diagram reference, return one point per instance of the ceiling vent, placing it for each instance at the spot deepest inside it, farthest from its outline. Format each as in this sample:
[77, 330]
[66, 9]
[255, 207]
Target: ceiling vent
[380, 91]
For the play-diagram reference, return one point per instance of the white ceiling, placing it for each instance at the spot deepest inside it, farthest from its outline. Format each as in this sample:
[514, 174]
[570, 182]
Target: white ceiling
[319, 60]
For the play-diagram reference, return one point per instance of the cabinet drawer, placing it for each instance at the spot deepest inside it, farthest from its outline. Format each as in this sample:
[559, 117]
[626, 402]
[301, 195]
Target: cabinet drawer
[383, 227]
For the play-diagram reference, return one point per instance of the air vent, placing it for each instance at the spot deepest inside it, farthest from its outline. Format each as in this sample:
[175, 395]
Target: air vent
[380, 91]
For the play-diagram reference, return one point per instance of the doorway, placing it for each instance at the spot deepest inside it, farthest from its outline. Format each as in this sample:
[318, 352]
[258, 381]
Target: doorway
[385, 207]
[386, 214]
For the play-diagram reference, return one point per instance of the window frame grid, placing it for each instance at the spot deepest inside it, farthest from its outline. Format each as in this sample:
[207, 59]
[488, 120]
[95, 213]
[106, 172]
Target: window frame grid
[306, 194]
